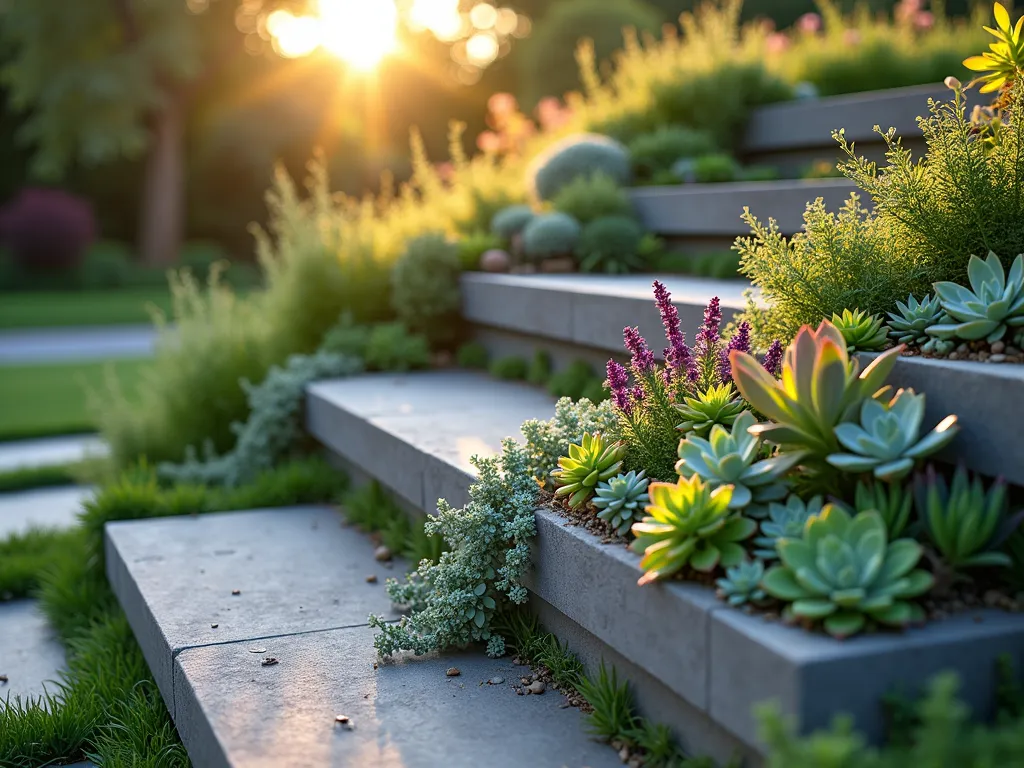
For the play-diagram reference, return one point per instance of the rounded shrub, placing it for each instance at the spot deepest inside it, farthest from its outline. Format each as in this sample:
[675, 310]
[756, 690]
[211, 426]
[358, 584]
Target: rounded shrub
[475, 245]
[510, 221]
[583, 154]
[591, 197]
[548, 58]
[425, 287]
[550, 234]
[509, 368]
[715, 168]
[661, 149]
[472, 355]
[47, 230]
[610, 244]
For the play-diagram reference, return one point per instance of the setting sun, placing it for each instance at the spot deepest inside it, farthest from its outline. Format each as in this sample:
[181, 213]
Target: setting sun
[357, 31]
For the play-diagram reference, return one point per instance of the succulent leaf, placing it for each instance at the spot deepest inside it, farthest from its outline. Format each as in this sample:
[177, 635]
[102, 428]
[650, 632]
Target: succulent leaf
[622, 499]
[844, 571]
[588, 463]
[993, 304]
[785, 521]
[861, 331]
[717, 405]
[742, 583]
[910, 323]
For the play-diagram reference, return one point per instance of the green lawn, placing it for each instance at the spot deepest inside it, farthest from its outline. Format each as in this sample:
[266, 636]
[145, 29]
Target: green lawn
[50, 399]
[61, 308]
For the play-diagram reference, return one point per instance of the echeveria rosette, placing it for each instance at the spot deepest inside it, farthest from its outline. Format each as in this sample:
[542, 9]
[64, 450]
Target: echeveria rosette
[989, 308]
[742, 583]
[961, 519]
[862, 332]
[820, 388]
[621, 500]
[1005, 58]
[689, 524]
[910, 322]
[785, 521]
[587, 464]
[844, 571]
[717, 405]
[888, 441]
[730, 458]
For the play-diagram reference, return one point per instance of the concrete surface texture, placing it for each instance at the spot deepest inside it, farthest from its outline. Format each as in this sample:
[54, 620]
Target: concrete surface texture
[46, 345]
[41, 508]
[304, 596]
[45, 451]
[30, 655]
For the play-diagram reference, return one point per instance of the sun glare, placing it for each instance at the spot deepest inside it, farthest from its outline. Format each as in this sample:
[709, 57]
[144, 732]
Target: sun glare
[294, 36]
[441, 17]
[360, 32]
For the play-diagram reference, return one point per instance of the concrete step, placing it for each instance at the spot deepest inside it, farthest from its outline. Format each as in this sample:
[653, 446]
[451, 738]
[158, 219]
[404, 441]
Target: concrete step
[693, 662]
[42, 452]
[31, 657]
[303, 599]
[41, 508]
[52, 345]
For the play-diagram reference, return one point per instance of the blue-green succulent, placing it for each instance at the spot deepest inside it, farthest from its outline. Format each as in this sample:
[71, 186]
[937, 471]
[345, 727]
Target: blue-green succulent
[785, 521]
[621, 500]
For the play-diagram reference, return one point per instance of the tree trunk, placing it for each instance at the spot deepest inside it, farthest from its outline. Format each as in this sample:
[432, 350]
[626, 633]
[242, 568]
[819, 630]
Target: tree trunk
[162, 214]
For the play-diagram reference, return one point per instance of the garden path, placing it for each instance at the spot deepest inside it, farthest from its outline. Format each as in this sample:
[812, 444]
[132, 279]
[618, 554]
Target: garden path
[19, 454]
[39, 345]
[40, 508]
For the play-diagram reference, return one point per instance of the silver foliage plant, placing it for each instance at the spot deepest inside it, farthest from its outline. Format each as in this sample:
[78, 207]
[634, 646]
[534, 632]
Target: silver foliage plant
[274, 425]
[547, 441]
[454, 599]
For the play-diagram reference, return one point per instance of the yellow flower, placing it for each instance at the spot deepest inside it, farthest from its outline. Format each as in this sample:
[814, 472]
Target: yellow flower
[1005, 58]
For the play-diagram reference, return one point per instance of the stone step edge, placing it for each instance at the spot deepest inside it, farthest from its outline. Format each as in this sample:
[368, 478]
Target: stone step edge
[588, 314]
[677, 631]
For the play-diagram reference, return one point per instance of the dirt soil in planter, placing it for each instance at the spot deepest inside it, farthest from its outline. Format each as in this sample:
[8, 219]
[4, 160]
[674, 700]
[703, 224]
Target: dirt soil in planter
[976, 351]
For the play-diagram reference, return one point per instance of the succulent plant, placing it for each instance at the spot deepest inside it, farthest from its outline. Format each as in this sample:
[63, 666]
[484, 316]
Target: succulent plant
[576, 156]
[910, 322]
[742, 583]
[862, 332]
[888, 441]
[587, 464]
[688, 523]
[845, 571]
[550, 234]
[785, 521]
[717, 405]
[730, 458]
[891, 500]
[610, 244]
[1005, 59]
[938, 347]
[512, 220]
[993, 305]
[961, 519]
[820, 388]
[621, 499]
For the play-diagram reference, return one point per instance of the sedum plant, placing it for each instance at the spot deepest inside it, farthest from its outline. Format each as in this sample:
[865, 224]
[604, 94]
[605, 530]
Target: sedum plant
[742, 583]
[549, 235]
[961, 519]
[862, 332]
[591, 461]
[715, 405]
[689, 524]
[621, 499]
[911, 320]
[730, 458]
[887, 440]
[785, 521]
[993, 305]
[610, 244]
[844, 571]
[820, 388]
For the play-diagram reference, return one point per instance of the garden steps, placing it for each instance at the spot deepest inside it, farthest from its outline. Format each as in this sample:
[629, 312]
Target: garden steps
[31, 656]
[48, 451]
[304, 600]
[41, 508]
[582, 316]
[51, 345]
[693, 662]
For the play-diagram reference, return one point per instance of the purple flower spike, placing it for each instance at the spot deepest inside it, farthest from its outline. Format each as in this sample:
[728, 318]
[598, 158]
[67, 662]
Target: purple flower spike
[739, 341]
[643, 358]
[678, 355]
[707, 336]
[773, 358]
[618, 382]
[638, 394]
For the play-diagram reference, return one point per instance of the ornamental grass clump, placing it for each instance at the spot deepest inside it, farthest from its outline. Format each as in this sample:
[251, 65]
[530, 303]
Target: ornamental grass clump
[730, 457]
[887, 441]
[590, 462]
[844, 571]
[689, 524]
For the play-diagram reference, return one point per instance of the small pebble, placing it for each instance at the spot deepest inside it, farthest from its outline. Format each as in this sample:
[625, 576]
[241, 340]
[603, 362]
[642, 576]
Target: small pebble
[496, 681]
[952, 356]
[342, 719]
[624, 754]
[519, 692]
[3, 678]
[525, 680]
[371, 579]
[997, 359]
[537, 687]
[257, 650]
[453, 672]
[998, 347]
[236, 591]
[382, 553]
[963, 349]
[269, 661]
[214, 626]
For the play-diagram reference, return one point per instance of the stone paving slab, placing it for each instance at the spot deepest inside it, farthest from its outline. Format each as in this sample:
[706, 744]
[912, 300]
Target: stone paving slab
[41, 508]
[297, 569]
[30, 654]
[46, 345]
[18, 454]
[406, 713]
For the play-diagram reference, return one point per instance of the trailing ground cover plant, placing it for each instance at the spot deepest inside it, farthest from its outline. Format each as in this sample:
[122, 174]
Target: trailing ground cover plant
[547, 441]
